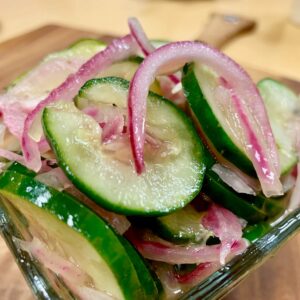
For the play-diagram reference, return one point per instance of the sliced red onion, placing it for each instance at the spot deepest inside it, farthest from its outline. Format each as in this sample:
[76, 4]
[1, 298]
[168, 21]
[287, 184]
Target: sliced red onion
[259, 141]
[55, 178]
[138, 33]
[2, 166]
[295, 197]
[47, 165]
[43, 145]
[2, 133]
[200, 272]
[88, 293]
[12, 156]
[172, 289]
[13, 117]
[288, 182]
[118, 50]
[171, 91]
[144, 43]
[113, 129]
[93, 112]
[160, 250]
[226, 226]
[104, 113]
[51, 260]
[23, 97]
[75, 278]
[152, 141]
[232, 179]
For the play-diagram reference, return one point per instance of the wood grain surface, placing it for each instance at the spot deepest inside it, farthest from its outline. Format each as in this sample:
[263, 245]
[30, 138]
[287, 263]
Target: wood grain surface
[277, 279]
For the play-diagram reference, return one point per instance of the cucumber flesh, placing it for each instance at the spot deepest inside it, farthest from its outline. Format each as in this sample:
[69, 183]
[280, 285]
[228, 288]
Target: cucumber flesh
[282, 106]
[74, 232]
[174, 171]
[183, 226]
[251, 208]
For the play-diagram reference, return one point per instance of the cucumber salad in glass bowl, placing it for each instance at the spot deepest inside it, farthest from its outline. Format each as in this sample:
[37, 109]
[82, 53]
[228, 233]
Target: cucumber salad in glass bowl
[139, 168]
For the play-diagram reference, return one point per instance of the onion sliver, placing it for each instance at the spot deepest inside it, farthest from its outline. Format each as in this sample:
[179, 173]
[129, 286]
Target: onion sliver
[12, 156]
[259, 140]
[200, 272]
[144, 43]
[53, 261]
[118, 50]
[160, 250]
[226, 226]
[232, 179]
[138, 33]
[295, 197]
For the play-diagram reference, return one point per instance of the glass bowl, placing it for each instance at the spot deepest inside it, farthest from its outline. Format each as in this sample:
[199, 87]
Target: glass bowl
[46, 285]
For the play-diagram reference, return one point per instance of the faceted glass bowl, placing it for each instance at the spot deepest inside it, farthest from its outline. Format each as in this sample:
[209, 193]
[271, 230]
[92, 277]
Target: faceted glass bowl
[46, 285]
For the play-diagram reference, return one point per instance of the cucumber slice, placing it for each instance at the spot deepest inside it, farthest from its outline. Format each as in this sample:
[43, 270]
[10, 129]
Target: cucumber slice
[74, 232]
[174, 171]
[198, 90]
[68, 61]
[17, 167]
[83, 48]
[253, 232]
[183, 226]
[282, 106]
[147, 276]
[251, 208]
[78, 53]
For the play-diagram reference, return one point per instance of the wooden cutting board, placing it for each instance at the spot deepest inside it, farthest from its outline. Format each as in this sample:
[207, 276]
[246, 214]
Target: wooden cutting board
[277, 279]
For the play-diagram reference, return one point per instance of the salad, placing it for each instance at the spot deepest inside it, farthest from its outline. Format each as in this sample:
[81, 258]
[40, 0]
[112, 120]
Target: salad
[140, 167]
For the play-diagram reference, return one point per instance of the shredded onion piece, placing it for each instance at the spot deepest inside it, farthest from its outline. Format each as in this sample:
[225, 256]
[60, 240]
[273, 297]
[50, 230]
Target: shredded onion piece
[54, 178]
[144, 43]
[166, 276]
[14, 116]
[172, 92]
[138, 33]
[43, 146]
[160, 250]
[118, 50]
[295, 197]
[245, 98]
[119, 222]
[51, 260]
[226, 226]
[2, 166]
[232, 179]
[104, 113]
[76, 279]
[2, 133]
[12, 156]
[113, 129]
[87, 293]
[288, 182]
[195, 276]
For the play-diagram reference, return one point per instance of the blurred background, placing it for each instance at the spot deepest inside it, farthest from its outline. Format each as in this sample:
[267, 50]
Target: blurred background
[272, 46]
[266, 47]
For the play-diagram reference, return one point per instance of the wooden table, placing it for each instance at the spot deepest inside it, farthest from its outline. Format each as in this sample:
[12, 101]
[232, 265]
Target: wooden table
[274, 47]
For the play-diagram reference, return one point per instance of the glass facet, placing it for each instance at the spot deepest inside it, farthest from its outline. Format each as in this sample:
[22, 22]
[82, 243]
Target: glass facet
[46, 285]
